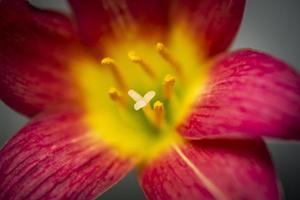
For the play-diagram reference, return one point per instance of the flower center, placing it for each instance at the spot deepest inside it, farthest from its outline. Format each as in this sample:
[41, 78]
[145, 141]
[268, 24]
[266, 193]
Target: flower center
[154, 113]
[139, 94]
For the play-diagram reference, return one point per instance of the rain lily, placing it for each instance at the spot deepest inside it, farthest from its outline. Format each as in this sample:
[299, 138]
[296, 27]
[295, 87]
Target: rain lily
[146, 84]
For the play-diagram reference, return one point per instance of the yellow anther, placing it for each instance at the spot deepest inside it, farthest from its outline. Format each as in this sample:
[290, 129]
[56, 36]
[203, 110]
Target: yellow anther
[160, 46]
[116, 95]
[108, 61]
[169, 83]
[165, 53]
[159, 113]
[134, 57]
[115, 72]
[138, 60]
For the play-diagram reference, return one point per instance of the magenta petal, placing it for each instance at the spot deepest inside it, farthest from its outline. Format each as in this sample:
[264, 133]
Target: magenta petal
[212, 169]
[54, 157]
[98, 19]
[250, 94]
[213, 22]
[35, 51]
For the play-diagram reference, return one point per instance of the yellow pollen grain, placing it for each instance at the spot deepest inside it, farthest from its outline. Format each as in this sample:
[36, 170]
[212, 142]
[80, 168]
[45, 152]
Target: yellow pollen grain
[159, 112]
[142, 63]
[116, 96]
[166, 54]
[168, 85]
[115, 72]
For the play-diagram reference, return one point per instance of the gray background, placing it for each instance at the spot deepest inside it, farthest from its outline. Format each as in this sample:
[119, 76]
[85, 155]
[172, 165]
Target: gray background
[269, 25]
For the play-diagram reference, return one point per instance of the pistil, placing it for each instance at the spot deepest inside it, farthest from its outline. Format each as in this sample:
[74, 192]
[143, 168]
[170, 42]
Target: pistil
[141, 101]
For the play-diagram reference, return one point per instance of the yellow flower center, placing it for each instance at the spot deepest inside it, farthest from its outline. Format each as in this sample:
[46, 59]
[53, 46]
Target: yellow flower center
[137, 95]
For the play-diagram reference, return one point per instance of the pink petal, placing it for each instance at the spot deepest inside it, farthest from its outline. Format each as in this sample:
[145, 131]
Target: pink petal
[212, 169]
[98, 19]
[251, 94]
[214, 22]
[35, 49]
[54, 157]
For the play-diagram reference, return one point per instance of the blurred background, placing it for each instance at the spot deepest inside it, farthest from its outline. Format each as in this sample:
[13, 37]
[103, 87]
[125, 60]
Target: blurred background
[269, 25]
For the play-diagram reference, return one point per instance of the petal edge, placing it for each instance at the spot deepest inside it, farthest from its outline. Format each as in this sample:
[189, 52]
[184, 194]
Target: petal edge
[35, 50]
[53, 157]
[212, 169]
[250, 94]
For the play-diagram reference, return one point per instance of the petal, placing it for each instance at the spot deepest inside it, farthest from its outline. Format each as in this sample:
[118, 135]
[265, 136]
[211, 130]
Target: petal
[98, 19]
[35, 48]
[250, 94]
[213, 22]
[212, 169]
[54, 157]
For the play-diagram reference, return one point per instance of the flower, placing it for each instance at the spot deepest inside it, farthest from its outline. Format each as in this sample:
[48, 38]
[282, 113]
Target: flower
[141, 83]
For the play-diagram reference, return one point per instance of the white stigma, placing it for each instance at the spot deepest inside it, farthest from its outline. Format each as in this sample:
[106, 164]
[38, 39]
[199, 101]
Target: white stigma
[141, 101]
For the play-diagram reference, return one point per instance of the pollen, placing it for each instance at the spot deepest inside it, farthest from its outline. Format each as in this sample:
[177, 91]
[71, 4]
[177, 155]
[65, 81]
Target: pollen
[116, 96]
[108, 61]
[134, 57]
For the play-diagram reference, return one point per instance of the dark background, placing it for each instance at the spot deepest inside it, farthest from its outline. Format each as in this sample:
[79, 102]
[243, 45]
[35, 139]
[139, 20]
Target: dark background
[269, 25]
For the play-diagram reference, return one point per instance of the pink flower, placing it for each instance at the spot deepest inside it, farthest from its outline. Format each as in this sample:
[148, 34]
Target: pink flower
[141, 83]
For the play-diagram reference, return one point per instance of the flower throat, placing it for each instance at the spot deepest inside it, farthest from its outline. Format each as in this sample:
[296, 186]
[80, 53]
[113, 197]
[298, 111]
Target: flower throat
[155, 114]
[136, 98]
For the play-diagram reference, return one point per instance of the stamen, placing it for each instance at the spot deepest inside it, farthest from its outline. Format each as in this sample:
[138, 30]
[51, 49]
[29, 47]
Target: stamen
[138, 60]
[159, 112]
[165, 53]
[114, 94]
[169, 83]
[115, 71]
[117, 96]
